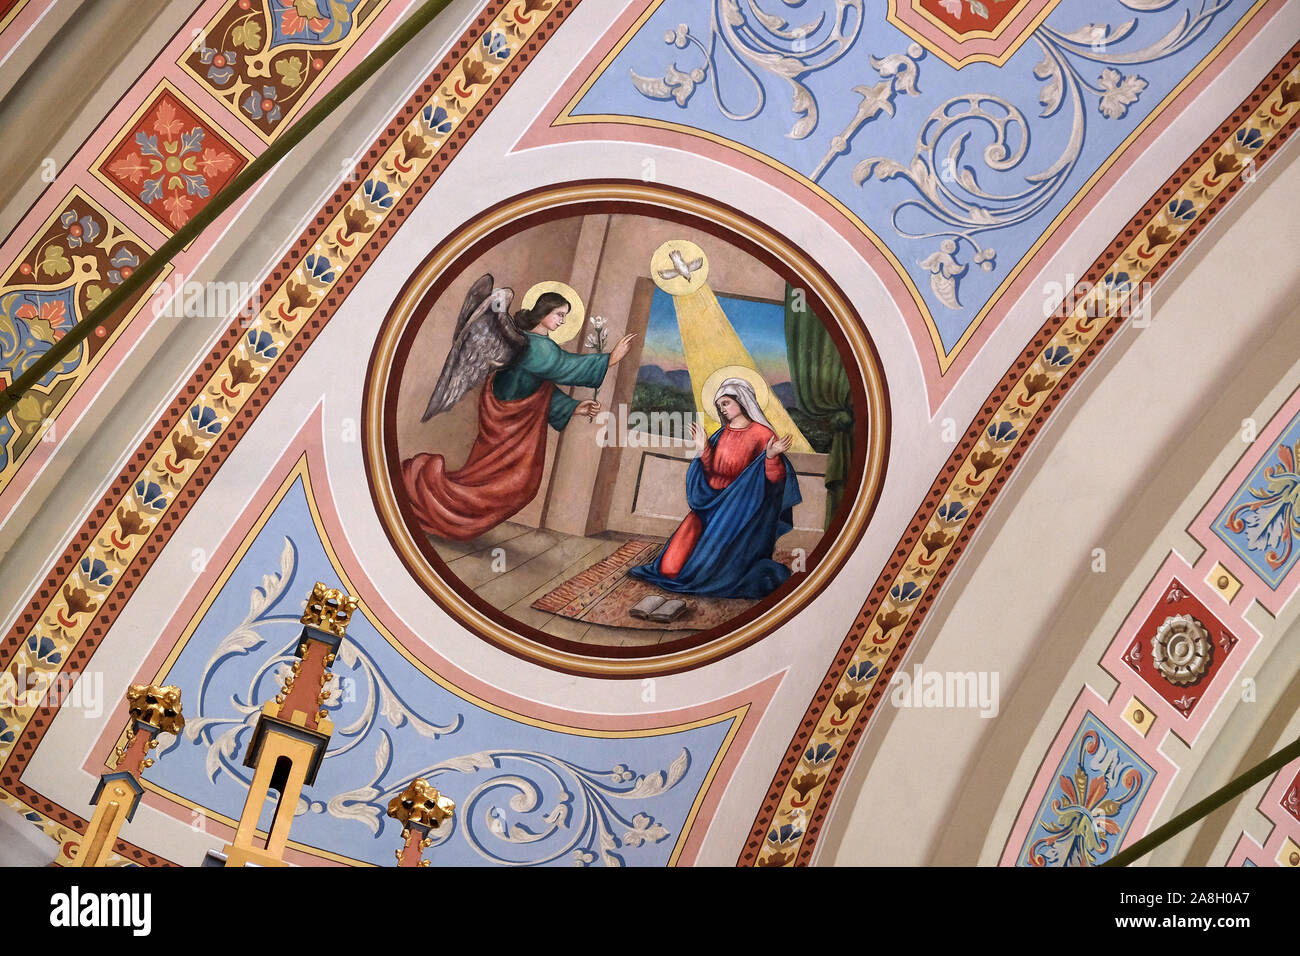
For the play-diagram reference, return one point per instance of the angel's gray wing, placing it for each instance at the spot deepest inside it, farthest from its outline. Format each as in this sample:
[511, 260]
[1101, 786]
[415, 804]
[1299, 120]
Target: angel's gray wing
[479, 291]
[487, 340]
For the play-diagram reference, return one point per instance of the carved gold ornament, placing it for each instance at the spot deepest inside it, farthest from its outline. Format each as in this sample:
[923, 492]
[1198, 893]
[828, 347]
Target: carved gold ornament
[421, 804]
[329, 609]
[1181, 649]
[156, 706]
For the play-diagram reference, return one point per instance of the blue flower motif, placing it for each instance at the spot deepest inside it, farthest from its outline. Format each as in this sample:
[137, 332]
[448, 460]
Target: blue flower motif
[862, 671]
[1269, 514]
[1118, 281]
[8, 732]
[952, 511]
[785, 833]
[496, 45]
[1002, 432]
[437, 120]
[205, 420]
[1250, 138]
[148, 145]
[319, 268]
[88, 232]
[221, 66]
[1058, 356]
[821, 753]
[96, 572]
[377, 193]
[150, 495]
[905, 593]
[1183, 210]
[191, 142]
[195, 185]
[43, 649]
[264, 105]
[123, 258]
[261, 344]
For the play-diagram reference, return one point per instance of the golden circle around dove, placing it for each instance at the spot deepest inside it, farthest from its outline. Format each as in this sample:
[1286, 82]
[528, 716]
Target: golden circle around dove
[679, 267]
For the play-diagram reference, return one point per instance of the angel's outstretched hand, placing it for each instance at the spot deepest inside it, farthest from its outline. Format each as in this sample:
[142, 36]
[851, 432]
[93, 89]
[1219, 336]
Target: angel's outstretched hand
[619, 352]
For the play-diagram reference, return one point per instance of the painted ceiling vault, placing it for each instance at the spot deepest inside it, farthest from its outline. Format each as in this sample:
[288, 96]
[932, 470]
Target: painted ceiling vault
[907, 472]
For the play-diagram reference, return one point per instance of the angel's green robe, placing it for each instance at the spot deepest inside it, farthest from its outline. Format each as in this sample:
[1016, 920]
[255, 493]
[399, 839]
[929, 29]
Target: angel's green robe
[543, 361]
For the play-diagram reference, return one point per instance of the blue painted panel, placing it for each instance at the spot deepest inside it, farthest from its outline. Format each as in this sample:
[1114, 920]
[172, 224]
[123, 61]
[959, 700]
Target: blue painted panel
[1094, 795]
[1260, 522]
[958, 172]
[525, 795]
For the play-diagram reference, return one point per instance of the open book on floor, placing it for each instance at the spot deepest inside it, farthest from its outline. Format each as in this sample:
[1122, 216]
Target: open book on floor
[659, 609]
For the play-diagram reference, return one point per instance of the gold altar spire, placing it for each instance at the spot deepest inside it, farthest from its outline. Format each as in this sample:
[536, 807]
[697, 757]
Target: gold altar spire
[153, 710]
[292, 731]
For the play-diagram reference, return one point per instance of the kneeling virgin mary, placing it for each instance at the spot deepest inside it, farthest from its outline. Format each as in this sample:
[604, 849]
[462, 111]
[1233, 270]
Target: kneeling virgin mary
[741, 489]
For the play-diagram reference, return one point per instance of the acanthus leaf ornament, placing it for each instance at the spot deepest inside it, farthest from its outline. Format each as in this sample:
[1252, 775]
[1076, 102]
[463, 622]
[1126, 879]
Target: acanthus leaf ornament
[553, 808]
[953, 205]
[756, 40]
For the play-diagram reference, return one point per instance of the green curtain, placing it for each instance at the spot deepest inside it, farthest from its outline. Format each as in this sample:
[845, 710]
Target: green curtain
[822, 388]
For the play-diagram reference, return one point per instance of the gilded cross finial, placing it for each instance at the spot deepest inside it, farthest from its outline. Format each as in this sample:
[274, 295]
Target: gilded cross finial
[329, 609]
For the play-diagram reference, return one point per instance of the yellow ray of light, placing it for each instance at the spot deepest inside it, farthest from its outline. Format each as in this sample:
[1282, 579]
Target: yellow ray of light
[710, 343]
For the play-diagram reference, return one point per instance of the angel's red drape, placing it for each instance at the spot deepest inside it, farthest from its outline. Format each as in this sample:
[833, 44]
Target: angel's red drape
[501, 476]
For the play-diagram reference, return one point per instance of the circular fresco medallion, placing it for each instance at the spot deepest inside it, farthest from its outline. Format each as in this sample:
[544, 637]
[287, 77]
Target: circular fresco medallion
[622, 430]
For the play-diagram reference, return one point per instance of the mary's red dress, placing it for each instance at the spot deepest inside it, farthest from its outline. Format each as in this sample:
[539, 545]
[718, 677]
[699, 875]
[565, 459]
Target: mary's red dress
[723, 462]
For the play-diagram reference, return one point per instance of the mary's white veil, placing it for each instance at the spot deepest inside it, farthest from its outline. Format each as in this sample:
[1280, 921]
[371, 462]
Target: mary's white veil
[743, 393]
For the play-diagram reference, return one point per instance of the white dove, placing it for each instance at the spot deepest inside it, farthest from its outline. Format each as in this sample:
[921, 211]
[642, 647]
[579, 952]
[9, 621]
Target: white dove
[681, 268]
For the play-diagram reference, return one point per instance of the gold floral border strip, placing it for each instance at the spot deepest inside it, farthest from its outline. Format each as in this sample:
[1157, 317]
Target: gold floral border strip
[786, 828]
[52, 635]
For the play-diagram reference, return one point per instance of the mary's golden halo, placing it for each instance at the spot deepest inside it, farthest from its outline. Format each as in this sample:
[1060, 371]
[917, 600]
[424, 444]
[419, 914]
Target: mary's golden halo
[762, 391]
[577, 313]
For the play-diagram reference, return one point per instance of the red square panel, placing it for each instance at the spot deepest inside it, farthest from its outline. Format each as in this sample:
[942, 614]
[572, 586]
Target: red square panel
[1179, 648]
[1291, 798]
[170, 161]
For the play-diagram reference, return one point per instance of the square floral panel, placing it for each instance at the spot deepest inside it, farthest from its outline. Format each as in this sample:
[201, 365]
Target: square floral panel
[1260, 522]
[1097, 789]
[1179, 648]
[72, 263]
[264, 58]
[170, 160]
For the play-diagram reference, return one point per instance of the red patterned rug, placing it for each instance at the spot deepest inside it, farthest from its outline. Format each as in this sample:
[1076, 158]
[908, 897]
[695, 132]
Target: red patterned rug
[604, 594]
[575, 596]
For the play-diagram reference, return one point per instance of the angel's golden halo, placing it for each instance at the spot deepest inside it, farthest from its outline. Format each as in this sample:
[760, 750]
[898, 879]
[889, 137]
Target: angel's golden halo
[577, 312]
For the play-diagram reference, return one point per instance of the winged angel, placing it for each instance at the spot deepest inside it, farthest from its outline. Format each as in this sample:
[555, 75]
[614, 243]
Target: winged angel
[520, 359]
